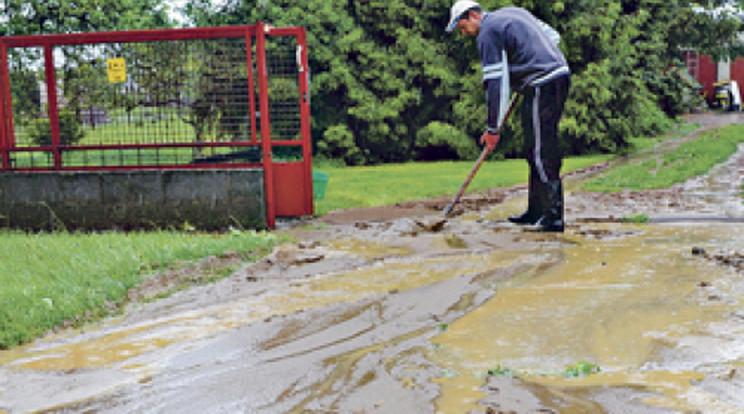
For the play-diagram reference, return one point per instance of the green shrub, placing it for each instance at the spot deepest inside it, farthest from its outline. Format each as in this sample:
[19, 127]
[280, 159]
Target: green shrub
[70, 130]
[673, 95]
[338, 143]
[385, 71]
[607, 109]
[440, 140]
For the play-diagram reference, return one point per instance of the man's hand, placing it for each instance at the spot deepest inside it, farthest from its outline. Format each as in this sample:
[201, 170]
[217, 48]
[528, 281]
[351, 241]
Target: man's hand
[489, 140]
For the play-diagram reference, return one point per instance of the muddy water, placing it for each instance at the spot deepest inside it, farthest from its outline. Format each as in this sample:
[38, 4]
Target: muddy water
[82, 371]
[632, 300]
[415, 317]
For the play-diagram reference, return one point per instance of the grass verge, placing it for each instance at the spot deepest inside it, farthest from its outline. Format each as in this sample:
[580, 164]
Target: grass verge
[664, 169]
[48, 279]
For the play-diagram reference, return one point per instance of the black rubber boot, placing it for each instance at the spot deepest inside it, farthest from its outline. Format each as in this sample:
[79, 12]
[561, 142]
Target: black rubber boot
[534, 207]
[552, 198]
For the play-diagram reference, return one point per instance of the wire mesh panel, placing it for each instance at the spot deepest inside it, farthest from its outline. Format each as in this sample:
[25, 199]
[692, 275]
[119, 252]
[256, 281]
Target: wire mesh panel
[229, 97]
[284, 105]
[282, 64]
[29, 102]
[135, 104]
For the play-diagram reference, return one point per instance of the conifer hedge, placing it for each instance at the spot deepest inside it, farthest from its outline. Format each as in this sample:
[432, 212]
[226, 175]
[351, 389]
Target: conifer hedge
[389, 84]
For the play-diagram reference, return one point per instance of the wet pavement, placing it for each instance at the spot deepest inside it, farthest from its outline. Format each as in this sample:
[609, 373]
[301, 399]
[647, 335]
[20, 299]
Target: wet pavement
[374, 314]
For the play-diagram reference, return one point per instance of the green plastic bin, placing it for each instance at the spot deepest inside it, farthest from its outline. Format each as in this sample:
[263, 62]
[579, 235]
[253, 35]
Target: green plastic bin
[320, 181]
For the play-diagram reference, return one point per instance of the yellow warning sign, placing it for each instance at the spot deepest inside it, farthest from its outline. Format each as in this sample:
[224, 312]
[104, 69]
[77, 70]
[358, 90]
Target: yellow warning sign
[117, 70]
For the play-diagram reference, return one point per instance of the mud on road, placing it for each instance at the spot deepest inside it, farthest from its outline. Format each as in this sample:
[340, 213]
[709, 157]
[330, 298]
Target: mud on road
[370, 312]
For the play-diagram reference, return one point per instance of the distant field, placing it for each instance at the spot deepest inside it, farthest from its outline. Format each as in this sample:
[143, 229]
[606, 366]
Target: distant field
[146, 126]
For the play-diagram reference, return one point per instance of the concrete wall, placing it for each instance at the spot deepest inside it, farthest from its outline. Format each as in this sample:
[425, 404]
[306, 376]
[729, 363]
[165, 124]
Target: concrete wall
[206, 199]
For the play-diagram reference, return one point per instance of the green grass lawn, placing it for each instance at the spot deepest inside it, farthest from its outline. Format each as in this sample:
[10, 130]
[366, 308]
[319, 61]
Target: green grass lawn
[350, 187]
[661, 170]
[47, 279]
[142, 126]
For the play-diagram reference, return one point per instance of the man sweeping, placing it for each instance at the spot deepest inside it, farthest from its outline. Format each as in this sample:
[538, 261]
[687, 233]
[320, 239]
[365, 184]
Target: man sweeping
[520, 52]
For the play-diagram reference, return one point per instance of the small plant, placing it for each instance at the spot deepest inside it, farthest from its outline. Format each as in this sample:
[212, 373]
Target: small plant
[500, 371]
[636, 218]
[443, 327]
[447, 373]
[581, 369]
[455, 242]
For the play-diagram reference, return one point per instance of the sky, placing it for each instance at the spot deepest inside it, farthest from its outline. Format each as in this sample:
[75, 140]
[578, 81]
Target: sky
[174, 6]
[731, 9]
[177, 4]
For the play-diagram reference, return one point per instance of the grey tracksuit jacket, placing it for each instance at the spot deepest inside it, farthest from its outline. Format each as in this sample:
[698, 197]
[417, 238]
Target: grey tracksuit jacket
[517, 50]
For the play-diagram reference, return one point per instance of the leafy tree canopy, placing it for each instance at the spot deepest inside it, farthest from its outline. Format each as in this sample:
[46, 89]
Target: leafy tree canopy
[389, 84]
[30, 17]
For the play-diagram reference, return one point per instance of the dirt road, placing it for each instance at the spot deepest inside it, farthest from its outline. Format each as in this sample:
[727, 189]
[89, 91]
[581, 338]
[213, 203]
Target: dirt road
[370, 313]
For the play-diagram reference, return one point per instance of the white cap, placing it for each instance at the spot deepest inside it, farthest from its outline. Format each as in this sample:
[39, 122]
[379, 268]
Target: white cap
[457, 10]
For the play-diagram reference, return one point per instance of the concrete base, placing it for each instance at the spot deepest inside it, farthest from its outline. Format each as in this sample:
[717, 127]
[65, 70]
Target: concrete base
[127, 200]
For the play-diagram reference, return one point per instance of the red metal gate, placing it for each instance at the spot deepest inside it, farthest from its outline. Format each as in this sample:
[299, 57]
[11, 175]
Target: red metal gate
[226, 97]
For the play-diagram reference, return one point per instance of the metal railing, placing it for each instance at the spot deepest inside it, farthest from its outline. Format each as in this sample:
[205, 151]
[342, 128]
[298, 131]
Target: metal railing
[224, 97]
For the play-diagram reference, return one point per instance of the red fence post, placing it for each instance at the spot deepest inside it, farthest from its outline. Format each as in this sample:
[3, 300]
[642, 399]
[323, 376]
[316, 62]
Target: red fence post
[4, 87]
[263, 90]
[251, 87]
[51, 81]
[307, 151]
[7, 134]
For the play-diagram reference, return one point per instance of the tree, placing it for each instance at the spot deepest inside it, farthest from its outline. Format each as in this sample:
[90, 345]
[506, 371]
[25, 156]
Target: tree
[625, 55]
[377, 77]
[29, 17]
[390, 85]
[24, 88]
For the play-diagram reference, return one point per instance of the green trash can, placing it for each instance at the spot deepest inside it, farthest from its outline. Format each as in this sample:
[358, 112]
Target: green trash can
[320, 180]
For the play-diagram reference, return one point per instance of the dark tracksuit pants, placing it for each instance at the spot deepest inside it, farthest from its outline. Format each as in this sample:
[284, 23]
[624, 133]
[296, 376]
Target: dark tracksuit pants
[542, 106]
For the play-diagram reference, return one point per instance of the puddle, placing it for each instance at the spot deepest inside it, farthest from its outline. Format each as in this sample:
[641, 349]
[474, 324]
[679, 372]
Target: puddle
[407, 275]
[633, 305]
[113, 346]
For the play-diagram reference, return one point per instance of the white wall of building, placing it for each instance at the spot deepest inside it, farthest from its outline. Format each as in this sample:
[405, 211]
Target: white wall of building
[723, 70]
